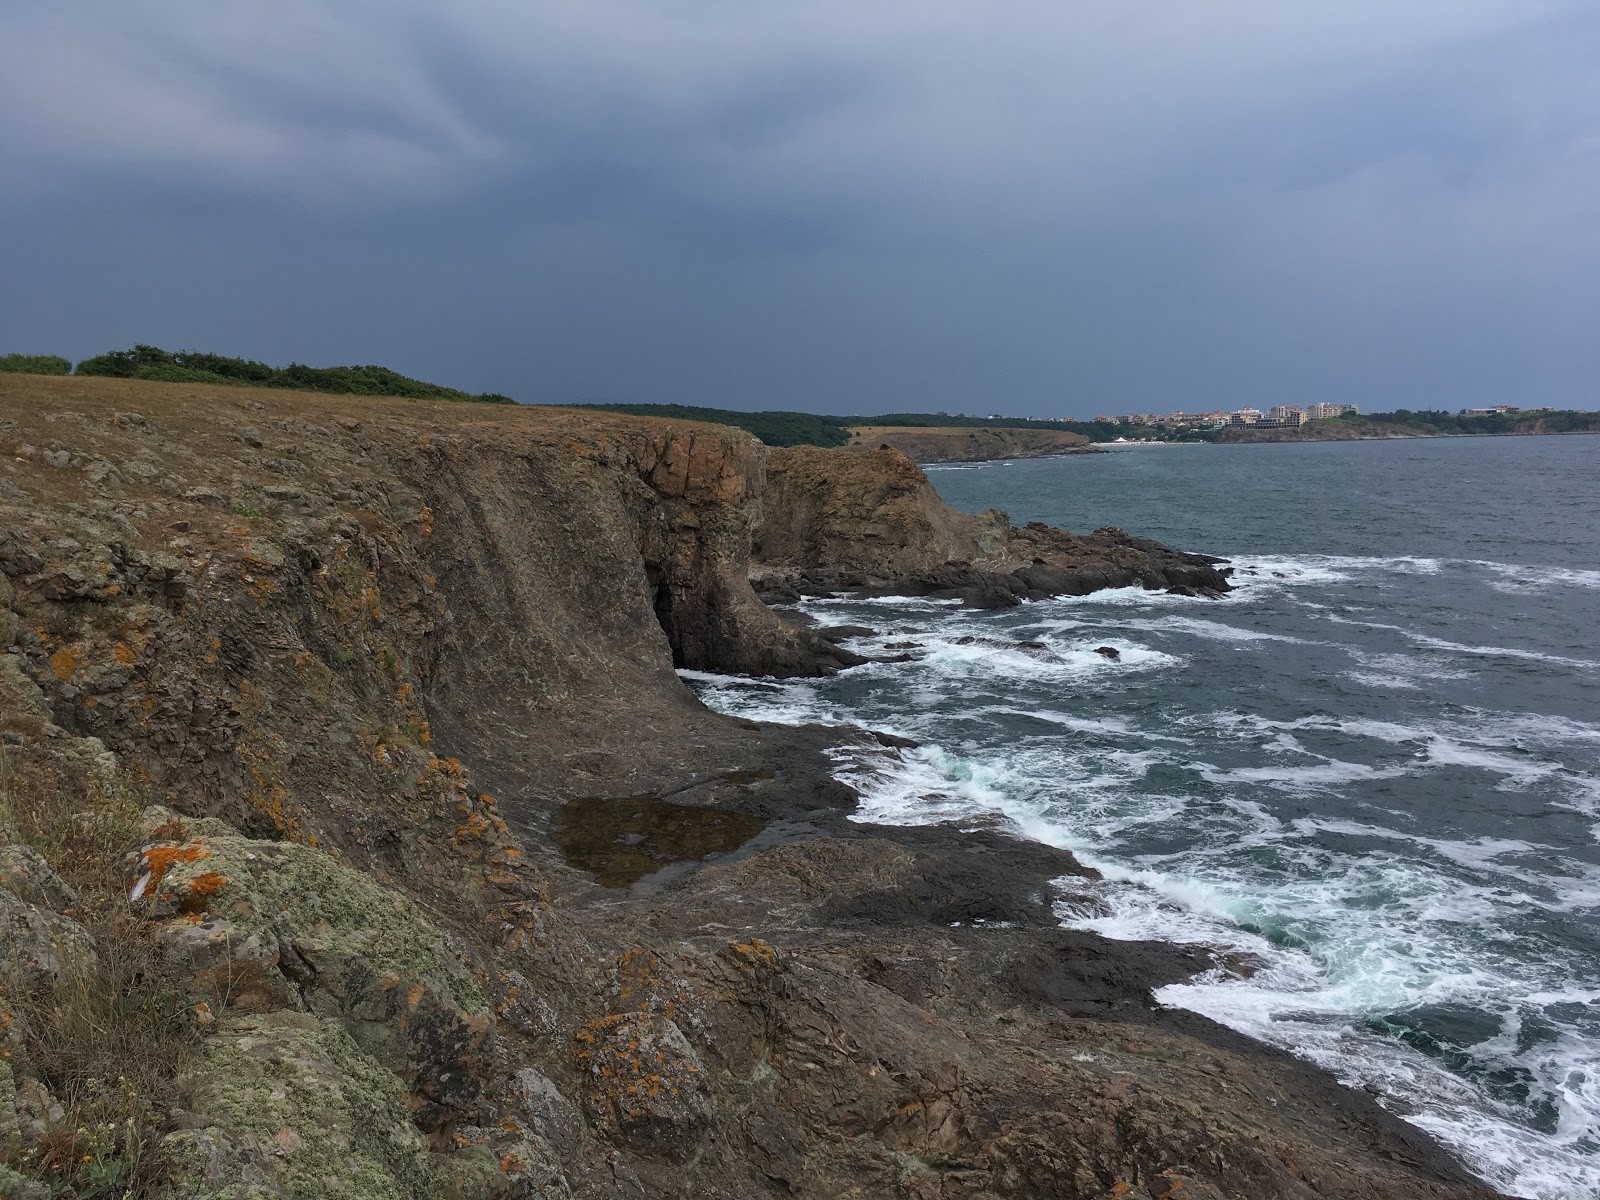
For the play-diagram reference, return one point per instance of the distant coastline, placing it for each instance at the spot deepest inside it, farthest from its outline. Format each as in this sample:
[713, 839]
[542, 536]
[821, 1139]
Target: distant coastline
[1379, 431]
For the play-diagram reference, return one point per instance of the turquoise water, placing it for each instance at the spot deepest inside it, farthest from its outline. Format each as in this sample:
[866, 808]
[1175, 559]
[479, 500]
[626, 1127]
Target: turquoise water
[1375, 767]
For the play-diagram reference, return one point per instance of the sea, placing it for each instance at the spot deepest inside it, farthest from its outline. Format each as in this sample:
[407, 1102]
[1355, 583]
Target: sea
[1373, 769]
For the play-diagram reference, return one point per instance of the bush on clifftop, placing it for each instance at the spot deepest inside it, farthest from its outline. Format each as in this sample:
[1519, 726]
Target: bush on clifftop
[35, 364]
[152, 362]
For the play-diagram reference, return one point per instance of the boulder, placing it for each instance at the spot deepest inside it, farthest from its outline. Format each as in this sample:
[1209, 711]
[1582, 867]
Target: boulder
[25, 874]
[538, 1104]
[247, 921]
[36, 939]
[286, 1104]
[644, 1085]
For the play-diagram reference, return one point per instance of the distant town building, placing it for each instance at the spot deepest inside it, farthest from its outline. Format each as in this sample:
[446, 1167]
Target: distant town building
[1284, 416]
[1493, 410]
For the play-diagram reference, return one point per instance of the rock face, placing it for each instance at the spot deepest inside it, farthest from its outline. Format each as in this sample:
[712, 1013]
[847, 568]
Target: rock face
[871, 523]
[1324, 431]
[964, 444]
[367, 655]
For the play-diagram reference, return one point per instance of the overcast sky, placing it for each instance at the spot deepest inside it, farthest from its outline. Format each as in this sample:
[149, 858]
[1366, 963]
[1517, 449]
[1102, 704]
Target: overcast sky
[1042, 207]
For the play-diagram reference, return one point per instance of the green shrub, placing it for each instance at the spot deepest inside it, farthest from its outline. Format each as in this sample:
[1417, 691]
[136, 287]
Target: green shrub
[187, 366]
[35, 364]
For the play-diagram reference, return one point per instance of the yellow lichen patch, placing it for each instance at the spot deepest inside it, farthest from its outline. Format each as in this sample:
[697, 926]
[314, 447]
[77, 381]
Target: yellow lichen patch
[637, 1066]
[65, 661]
[644, 986]
[259, 588]
[266, 794]
[756, 952]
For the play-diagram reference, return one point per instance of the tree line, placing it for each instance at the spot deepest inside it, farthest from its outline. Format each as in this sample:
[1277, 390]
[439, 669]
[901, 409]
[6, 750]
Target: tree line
[189, 366]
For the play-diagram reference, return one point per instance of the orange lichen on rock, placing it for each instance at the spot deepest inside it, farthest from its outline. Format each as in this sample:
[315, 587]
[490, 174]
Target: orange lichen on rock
[207, 884]
[756, 952]
[170, 831]
[160, 859]
[64, 662]
[197, 897]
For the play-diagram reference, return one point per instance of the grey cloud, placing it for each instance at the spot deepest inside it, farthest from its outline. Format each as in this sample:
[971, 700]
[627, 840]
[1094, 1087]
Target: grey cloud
[1034, 207]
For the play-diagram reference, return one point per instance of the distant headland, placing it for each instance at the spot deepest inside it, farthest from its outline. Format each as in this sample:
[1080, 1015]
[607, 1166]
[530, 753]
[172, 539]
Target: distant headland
[924, 437]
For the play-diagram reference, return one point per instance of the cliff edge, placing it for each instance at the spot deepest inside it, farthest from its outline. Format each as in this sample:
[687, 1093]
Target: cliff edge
[963, 443]
[358, 838]
[870, 523]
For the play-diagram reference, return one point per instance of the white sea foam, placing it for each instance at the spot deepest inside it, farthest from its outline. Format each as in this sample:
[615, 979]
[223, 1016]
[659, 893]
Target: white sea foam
[1514, 578]
[1106, 726]
[1424, 639]
[1323, 775]
[1215, 630]
[1355, 920]
[1319, 979]
[1296, 570]
[1402, 670]
[783, 701]
[961, 652]
[1312, 1001]
[934, 604]
[1374, 679]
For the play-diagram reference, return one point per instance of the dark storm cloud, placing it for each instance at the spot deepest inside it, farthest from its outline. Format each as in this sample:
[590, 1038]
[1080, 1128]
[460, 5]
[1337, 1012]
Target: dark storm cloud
[1031, 208]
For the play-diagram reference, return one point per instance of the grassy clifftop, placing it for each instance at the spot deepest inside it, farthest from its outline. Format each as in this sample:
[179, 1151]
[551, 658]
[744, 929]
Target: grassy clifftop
[153, 364]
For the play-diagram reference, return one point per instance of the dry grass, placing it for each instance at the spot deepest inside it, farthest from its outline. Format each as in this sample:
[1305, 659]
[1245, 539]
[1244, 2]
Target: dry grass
[106, 1036]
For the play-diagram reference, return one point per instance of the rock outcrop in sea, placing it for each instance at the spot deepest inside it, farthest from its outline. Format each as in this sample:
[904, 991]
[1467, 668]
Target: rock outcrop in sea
[361, 840]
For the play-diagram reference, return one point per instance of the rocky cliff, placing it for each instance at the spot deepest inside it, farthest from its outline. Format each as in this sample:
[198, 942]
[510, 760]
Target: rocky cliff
[871, 523]
[969, 443]
[360, 840]
[1323, 431]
